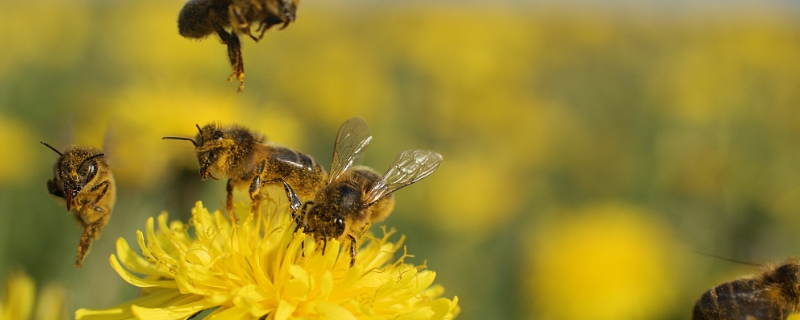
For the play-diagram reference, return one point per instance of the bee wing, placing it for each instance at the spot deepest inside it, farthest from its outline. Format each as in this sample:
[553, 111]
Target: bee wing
[352, 139]
[410, 166]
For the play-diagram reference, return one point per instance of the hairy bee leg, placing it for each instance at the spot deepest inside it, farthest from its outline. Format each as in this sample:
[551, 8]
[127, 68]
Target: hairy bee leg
[298, 218]
[241, 23]
[288, 17]
[255, 188]
[91, 232]
[234, 49]
[352, 250]
[255, 196]
[294, 201]
[262, 28]
[324, 240]
[84, 246]
[229, 203]
[235, 54]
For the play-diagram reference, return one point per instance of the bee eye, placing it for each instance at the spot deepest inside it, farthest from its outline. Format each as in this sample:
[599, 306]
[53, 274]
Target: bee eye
[218, 135]
[339, 221]
[90, 171]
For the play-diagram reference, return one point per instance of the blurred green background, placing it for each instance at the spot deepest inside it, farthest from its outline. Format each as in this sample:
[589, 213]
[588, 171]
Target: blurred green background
[590, 151]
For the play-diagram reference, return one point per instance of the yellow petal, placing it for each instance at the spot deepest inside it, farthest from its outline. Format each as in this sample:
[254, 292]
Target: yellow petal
[134, 262]
[256, 300]
[136, 281]
[284, 310]
[229, 313]
[333, 311]
[159, 297]
[181, 307]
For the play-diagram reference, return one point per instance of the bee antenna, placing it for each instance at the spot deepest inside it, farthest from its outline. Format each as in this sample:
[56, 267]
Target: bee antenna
[198, 128]
[729, 260]
[51, 148]
[181, 138]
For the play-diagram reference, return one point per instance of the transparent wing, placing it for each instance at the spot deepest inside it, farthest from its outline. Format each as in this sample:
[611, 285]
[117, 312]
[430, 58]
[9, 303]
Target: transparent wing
[352, 139]
[410, 166]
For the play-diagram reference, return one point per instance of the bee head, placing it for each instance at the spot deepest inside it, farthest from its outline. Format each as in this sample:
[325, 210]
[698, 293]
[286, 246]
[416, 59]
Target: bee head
[77, 167]
[211, 146]
[337, 226]
[787, 275]
[323, 223]
[209, 143]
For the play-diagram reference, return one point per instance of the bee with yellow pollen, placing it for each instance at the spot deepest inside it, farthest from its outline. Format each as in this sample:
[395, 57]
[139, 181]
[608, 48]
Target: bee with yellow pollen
[265, 270]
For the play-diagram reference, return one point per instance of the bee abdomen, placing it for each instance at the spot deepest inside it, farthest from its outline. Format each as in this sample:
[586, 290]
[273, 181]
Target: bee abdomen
[194, 19]
[743, 299]
[301, 171]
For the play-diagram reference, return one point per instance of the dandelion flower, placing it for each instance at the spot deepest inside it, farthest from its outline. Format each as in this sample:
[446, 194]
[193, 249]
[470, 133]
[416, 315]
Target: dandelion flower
[262, 269]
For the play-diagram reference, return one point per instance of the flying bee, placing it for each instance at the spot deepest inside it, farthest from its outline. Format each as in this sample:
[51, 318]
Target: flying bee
[200, 18]
[772, 295]
[248, 161]
[83, 179]
[355, 196]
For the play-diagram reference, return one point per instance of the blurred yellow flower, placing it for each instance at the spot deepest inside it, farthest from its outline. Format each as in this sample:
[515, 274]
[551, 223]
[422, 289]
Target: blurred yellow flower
[261, 270]
[18, 300]
[606, 262]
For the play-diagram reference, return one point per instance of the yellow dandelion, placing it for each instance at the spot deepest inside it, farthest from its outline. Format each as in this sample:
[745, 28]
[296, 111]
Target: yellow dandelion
[264, 270]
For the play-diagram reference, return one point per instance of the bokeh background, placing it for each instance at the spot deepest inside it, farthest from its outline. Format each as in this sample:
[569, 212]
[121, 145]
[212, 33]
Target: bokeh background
[593, 151]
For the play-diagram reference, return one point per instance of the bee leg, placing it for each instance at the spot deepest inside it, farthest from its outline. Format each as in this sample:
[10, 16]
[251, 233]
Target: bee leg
[84, 245]
[255, 187]
[91, 232]
[229, 203]
[234, 49]
[241, 22]
[53, 189]
[286, 13]
[294, 201]
[262, 28]
[324, 240]
[298, 218]
[352, 250]
[255, 195]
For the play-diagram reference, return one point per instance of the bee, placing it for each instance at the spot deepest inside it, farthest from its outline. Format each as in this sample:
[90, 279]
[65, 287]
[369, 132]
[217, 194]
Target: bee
[354, 195]
[772, 295]
[200, 18]
[248, 161]
[83, 179]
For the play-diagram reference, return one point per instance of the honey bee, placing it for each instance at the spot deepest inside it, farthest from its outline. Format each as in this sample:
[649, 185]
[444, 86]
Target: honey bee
[200, 18]
[772, 295]
[248, 161]
[83, 179]
[355, 196]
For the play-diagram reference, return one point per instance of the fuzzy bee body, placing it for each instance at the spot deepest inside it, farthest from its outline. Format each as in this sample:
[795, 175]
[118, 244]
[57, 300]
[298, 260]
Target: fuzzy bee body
[355, 196]
[773, 295]
[251, 163]
[200, 18]
[345, 198]
[83, 180]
